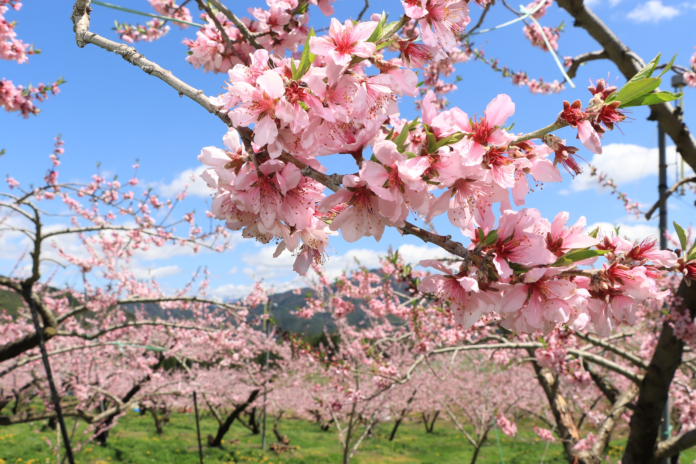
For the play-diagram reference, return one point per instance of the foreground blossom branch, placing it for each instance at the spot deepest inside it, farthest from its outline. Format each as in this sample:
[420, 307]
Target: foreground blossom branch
[83, 36]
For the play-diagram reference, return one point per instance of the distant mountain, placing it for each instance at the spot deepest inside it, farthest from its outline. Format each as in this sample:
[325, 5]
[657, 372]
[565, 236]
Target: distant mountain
[283, 306]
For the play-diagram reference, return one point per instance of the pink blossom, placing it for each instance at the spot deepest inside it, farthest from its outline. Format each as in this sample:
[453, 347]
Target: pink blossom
[344, 41]
[544, 434]
[261, 105]
[453, 289]
[443, 19]
[487, 130]
[544, 297]
[507, 427]
[361, 218]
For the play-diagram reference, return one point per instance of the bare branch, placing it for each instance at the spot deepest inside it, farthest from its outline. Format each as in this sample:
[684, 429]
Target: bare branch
[83, 36]
[362, 12]
[584, 58]
[612, 366]
[132, 324]
[239, 24]
[674, 445]
[633, 359]
[667, 194]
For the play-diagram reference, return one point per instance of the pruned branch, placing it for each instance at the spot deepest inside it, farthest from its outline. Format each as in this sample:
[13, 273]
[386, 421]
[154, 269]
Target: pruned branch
[673, 446]
[584, 58]
[133, 324]
[667, 194]
[83, 36]
[633, 359]
[238, 24]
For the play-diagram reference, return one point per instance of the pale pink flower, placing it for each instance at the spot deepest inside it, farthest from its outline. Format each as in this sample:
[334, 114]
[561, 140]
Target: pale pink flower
[344, 41]
[561, 239]
[263, 105]
[261, 192]
[361, 218]
[541, 298]
[397, 181]
[453, 289]
[507, 427]
[444, 18]
[544, 434]
[487, 130]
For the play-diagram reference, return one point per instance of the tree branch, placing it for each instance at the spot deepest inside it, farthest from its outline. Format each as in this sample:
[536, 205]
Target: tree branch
[614, 349]
[584, 58]
[674, 445]
[629, 64]
[239, 24]
[83, 36]
[667, 194]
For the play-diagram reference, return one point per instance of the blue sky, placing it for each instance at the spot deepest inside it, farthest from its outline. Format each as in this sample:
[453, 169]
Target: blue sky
[111, 112]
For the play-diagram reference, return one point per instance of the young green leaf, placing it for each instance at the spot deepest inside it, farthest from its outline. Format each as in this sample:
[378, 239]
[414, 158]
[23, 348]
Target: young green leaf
[449, 140]
[652, 99]
[647, 70]
[681, 234]
[692, 253]
[307, 57]
[594, 232]
[574, 256]
[637, 89]
[400, 141]
[377, 33]
[668, 66]
[491, 238]
[644, 73]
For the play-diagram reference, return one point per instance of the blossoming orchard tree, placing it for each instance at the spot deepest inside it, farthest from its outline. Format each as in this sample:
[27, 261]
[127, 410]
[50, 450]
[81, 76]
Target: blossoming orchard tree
[295, 96]
[17, 97]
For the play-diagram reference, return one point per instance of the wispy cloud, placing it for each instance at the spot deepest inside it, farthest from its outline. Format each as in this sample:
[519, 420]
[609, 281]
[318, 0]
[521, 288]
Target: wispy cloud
[630, 232]
[652, 11]
[595, 3]
[191, 177]
[624, 163]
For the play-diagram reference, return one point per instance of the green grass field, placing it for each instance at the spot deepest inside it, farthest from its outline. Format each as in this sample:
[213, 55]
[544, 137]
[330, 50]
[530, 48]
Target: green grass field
[134, 440]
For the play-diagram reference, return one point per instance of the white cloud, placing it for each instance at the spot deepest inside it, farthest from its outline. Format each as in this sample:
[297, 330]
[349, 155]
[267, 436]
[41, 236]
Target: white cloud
[624, 163]
[594, 3]
[630, 232]
[231, 291]
[263, 265]
[154, 272]
[190, 177]
[652, 11]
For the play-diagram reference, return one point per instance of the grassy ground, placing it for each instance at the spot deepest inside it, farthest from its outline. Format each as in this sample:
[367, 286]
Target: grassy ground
[134, 440]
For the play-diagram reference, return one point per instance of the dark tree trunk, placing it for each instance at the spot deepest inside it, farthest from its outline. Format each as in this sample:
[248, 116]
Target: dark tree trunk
[225, 426]
[565, 423]
[324, 426]
[103, 436]
[279, 436]
[654, 389]
[395, 428]
[479, 445]
[429, 424]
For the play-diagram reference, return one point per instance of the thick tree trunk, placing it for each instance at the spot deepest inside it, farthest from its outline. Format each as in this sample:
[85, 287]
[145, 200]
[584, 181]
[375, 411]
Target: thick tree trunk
[279, 436]
[654, 389]
[225, 426]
